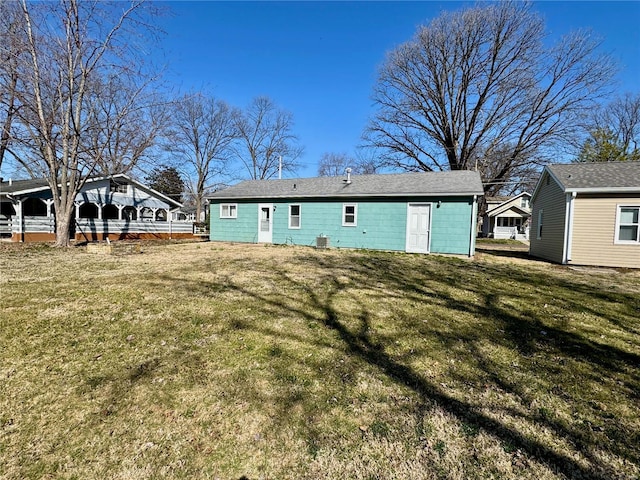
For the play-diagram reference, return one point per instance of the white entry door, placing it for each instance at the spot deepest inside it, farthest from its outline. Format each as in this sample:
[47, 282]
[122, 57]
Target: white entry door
[418, 227]
[265, 223]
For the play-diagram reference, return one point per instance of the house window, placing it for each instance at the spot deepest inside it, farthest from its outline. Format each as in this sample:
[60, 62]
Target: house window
[524, 202]
[628, 230]
[115, 187]
[509, 222]
[294, 216]
[228, 210]
[349, 215]
[540, 220]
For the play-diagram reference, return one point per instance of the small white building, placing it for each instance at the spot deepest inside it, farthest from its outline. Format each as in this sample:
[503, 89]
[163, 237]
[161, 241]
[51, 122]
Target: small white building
[507, 217]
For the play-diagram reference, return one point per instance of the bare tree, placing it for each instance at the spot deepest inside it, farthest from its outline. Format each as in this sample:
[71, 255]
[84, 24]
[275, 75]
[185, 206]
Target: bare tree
[622, 118]
[265, 135]
[125, 119]
[203, 129]
[612, 132]
[335, 164]
[69, 46]
[479, 84]
[11, 48]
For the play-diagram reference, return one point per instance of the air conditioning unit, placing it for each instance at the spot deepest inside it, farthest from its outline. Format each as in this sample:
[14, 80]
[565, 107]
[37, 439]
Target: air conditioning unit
[322, 242]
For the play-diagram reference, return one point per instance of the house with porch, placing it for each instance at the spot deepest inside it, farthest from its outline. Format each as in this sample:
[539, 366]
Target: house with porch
[433, 212]
[116, 207]
[507, 217]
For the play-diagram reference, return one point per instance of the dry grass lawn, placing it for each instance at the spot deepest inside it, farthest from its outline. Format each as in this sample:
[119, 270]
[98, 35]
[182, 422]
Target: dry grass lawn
[213, 360]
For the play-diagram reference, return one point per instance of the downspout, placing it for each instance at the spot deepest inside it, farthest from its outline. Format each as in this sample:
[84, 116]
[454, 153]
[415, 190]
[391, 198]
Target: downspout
[472, 236]
[568, 228]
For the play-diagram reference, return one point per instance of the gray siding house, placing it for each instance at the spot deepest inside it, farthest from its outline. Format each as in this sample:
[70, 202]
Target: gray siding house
[588, 214]
[115, 207]
[414, 212]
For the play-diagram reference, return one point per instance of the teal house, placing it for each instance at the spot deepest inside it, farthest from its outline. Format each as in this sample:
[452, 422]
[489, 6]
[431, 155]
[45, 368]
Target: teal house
[433, 212]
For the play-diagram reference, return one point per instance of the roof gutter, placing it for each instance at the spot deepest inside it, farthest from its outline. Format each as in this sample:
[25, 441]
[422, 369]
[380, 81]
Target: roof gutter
[603, 190]
[30, 190]
[344, 195]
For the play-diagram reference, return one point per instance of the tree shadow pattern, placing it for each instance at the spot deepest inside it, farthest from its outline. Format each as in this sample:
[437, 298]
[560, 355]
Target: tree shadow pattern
[502, 299]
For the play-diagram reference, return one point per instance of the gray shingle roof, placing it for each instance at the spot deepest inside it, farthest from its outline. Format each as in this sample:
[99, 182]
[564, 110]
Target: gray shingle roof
[387, 185]
[597, 177]
[22, 185]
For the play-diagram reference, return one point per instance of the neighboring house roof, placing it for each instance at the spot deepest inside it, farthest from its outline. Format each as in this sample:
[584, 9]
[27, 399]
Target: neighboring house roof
[498, 199]
[455, 183]
[497, 211]
[612, 177]
[24, 187]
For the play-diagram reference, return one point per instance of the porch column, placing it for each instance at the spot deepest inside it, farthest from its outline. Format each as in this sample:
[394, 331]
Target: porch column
[49, 203]
[139, 213]
[20, 217]
[77, 204]
[100, 206]
[153, 212]
[120, 209]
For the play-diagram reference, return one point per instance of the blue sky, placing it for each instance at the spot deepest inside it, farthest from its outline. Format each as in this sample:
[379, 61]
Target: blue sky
[319, 60]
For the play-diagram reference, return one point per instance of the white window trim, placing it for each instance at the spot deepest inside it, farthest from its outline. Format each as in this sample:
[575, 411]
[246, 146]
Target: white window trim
[235, 210]
[617, 240]
[299, 216]
[355, 214]
[540, 224]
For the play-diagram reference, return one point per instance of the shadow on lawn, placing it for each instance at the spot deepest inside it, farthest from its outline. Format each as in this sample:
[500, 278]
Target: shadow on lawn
[502, 251]
[524, 329]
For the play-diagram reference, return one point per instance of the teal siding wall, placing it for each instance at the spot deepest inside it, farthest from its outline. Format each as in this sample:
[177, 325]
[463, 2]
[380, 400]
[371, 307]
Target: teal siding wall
[381, 224]
[241, 229]
[451, 225]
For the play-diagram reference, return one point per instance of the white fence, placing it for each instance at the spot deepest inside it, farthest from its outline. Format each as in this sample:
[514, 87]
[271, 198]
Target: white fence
[5, 226]
[94, 225]
[42, 224]
[37, 224]
[511, 232]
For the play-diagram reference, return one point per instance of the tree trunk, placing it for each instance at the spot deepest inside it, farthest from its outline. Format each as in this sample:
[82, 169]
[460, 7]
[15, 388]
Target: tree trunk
[62, 230]
[198, 206]
[64, 221]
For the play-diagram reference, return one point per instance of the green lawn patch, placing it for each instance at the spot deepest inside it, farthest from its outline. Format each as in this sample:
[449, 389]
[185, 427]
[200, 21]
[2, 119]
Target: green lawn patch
[212, 360]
